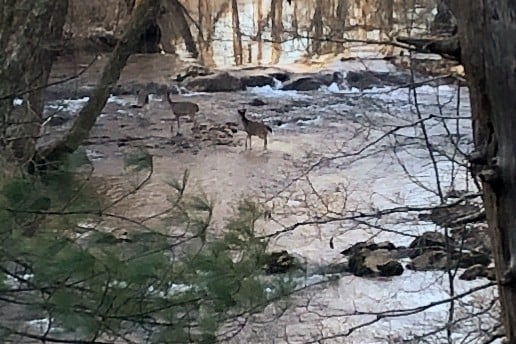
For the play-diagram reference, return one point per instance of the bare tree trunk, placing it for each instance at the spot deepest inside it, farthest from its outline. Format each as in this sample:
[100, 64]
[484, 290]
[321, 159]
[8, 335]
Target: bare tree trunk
[30, 37]
[362, 11]
[277, 29]
[237, 35]
[317, 25]
[386, 17]
[341, 15]
[443, 20]
[205, 38]
[295, 23]
[487, 30]
[145, 13]
[259, 31]
[176, 23]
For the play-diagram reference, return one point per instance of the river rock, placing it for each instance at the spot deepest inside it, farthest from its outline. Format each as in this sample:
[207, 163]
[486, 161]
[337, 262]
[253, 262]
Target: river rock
[193, 71]
[468, 259]
[306, 83]
[280, 76]
[219, 82]
[428, 241]
[437, 259]
[369, 79]
[374, 263]
[257, 80]
[391, 268]
[329, 78]
[279, 262]
[473, 237]
[369, 245]
[273, 72]
[454, 215]
[429, 260]
[257, 102]
[476, 271]
[58, 119]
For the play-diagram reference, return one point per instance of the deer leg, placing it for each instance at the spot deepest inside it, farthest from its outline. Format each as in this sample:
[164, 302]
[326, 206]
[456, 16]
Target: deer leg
[265, 142]
[194, 120]
[250, 144]
[246, 138]
[177, 118]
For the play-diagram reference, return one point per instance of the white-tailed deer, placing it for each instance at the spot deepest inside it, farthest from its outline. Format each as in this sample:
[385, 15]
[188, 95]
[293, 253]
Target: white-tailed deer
[182, 109]
[143, 101]
[254, 128]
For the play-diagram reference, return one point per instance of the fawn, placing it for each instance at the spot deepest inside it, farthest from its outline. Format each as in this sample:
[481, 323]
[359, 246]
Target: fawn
[182, 109]
[254, 128]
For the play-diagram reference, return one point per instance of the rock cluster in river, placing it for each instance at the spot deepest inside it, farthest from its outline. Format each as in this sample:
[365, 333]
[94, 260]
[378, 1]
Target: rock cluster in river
[200, 79]
[466, 247]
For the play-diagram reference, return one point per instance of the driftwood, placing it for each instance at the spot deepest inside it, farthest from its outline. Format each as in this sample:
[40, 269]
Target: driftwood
[446, 47]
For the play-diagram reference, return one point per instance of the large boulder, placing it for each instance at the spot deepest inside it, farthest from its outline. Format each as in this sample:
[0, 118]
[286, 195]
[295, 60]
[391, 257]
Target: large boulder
[281, 76]
[374, 263]
[440, 260]
[430, 240]
[274, 72]
[305, 83]
[429, 260]
[369, 245]
[454, 215]
[369, 79]
[280, 262]
[257, 80]
[257, 102]
[390, 268]
[193, 71]
[476, 271]
[219, 82]
[468, 259]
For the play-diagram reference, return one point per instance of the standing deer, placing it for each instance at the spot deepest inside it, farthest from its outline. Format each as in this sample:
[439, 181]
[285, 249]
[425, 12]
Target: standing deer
[254, 128]
[142, 101]
[182, 109]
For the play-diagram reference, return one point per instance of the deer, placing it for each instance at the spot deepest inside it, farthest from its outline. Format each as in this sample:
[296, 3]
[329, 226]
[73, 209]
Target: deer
[182, 109]
[254, 128]
[142, 101]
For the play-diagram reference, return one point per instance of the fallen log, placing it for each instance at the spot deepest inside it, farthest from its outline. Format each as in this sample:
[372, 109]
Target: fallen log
[446, 47]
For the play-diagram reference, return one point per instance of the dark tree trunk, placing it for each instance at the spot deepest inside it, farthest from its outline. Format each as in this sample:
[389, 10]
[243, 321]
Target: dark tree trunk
[277, 29]
[295, 22]
[341, 15]
[443, 20]
[487, 30]
[176, 23]
[259, 31]
[386, 17]
[145, 13]
[30, 38]
[206, 36]
[317, 25]
[237, 35]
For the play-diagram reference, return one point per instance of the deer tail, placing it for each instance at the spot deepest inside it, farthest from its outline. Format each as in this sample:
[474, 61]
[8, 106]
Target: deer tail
[268, 128]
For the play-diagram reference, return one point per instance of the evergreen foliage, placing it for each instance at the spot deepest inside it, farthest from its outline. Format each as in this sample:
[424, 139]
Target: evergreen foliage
[148, 287]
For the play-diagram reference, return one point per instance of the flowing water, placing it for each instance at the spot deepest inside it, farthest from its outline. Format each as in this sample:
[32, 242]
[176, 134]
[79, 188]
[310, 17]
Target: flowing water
[335, 152]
